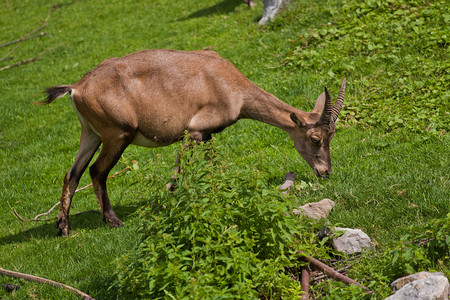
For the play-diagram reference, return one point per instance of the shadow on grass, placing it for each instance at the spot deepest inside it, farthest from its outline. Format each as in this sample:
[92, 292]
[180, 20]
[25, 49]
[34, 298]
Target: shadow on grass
[224, 7]
[88, 220]
[104, 287]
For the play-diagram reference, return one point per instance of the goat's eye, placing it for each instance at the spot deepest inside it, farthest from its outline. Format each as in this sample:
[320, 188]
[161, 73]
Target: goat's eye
[315, 140]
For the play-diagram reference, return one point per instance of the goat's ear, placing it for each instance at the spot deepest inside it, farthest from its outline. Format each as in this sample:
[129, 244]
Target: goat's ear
[298, 120]
[320, 104]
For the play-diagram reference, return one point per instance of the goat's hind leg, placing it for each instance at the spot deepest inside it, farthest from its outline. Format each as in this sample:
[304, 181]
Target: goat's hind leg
[89, 143]
[111, 151]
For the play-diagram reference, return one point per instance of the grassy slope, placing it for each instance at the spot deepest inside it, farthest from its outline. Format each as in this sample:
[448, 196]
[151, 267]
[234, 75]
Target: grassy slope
[380, 183]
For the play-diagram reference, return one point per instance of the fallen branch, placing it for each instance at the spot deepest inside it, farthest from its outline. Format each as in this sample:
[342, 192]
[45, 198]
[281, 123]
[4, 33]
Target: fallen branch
[305, 282]
[38, 217]
[9, 53]
[330, 271]
[19, 63]
[44, 281]
[334, 261]
[114, 175]
[27, 36]
[23, 39]
[325, 275]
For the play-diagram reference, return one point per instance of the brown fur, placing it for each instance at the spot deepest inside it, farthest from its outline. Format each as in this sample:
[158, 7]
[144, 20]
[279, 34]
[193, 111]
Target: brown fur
[151, 98]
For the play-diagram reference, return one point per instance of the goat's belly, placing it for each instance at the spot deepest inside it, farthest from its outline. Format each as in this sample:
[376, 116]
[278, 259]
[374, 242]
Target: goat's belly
[141, 140]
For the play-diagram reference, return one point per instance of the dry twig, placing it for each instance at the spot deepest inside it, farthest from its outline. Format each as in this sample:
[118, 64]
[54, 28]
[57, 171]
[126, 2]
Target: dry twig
[27, 36]
[19, 63]
[45, 281]
[330, 271]
[25, 61]
[9, 53]
[334, 261]
[23, 39]
[114, 175]
[306, 272]
[38, 217]
[341, 270]
[49, 219]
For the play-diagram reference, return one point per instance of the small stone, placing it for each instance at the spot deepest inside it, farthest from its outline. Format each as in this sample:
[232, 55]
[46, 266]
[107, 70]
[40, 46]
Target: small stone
[10, 287]
[288, 183]
[430, 288]
[316, 210]
[401, 282]
[352, 241]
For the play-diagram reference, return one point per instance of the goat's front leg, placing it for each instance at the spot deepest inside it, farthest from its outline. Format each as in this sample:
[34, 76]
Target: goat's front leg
[89, 143]
[111, 151]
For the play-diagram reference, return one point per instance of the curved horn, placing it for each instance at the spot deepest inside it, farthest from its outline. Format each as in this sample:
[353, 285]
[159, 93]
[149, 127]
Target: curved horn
[320, 104]
[325, 118]
[339, 102]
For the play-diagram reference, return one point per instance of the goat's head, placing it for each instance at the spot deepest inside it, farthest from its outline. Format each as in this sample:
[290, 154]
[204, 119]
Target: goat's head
[312, 134]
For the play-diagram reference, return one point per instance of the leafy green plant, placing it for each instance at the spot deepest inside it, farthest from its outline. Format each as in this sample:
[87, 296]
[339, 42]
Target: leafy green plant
[424, 247]
[381, 182]
[396, 53]
[421, 248]
[220, 233]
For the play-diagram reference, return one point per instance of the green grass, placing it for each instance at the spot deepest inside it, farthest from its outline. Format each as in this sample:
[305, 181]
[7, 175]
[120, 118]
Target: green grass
[384, 178]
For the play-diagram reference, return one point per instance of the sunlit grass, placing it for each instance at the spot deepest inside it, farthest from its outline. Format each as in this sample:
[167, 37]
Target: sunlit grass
[380, 182]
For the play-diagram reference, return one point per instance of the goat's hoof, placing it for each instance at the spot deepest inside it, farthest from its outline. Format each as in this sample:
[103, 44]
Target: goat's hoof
[63, 227]
[113, 221]
[116, 223]
[64, 231]
[110, 217]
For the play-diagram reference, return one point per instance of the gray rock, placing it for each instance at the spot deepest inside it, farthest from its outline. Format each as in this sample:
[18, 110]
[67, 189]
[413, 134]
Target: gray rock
[430, 288]
[352, 241]
[401, 282]
[316, 210]
[288, 183]
[271, 7]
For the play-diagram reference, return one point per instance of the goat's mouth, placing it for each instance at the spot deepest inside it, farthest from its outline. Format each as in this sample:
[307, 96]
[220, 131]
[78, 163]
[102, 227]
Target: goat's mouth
[321, 174]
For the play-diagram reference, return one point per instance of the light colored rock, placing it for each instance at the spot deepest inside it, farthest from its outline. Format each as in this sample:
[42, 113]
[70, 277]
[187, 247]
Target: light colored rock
[401, 282]
[430, 288]
[352, 241]
[288, 183]
[316, 210]
[271, 7]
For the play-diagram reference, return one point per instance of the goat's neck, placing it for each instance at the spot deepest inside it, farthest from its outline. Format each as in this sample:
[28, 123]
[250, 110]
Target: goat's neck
[267, 108]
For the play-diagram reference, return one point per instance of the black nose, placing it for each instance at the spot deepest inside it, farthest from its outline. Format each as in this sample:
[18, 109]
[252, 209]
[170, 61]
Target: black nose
[327, 173]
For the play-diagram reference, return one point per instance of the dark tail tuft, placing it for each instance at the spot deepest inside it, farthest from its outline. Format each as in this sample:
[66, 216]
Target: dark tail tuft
[53, 93]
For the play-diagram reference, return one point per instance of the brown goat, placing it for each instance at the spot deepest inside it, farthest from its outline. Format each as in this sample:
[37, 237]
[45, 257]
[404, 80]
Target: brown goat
[151, 98]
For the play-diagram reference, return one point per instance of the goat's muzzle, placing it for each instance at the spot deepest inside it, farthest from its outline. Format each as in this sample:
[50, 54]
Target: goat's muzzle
[322, 173]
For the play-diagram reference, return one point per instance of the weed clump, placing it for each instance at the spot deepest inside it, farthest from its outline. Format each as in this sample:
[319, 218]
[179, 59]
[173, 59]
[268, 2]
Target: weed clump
[421, 248]
[398, 53]
[221, 233]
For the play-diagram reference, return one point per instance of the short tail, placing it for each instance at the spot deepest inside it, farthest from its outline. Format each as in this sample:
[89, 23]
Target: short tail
[53, 93]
